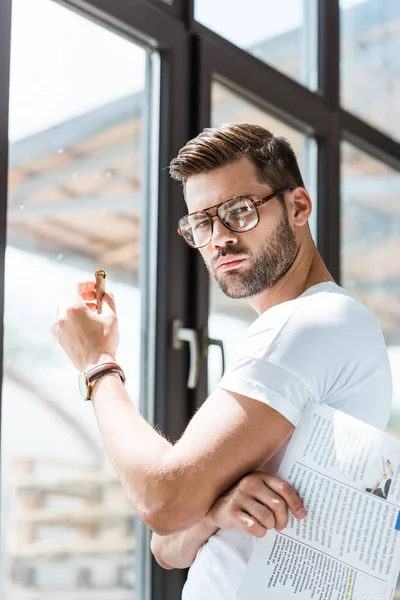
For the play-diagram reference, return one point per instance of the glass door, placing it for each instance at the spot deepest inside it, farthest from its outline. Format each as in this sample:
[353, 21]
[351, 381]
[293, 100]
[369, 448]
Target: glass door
[370, 244]
[78, 201]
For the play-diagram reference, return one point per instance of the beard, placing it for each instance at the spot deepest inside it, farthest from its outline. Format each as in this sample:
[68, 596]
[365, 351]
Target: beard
[267, 266]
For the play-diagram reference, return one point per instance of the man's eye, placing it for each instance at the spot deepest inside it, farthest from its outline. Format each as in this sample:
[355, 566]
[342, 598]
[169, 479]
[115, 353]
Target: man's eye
[240, 210]
[200, 226]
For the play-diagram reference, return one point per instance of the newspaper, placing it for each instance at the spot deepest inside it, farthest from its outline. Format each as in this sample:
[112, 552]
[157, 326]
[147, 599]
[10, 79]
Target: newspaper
[348, 546]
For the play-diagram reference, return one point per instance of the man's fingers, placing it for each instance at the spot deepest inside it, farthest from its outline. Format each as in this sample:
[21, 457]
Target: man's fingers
[82, 294]
[288, 493]
[260, 512]
[273, 503]
[251, 525]
[87, 296]
[254, 487]
[90, 296]
[108, 298]
[92, 306]
[85, 286]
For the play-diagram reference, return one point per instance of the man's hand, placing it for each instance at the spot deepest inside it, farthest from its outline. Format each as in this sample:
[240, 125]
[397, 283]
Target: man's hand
[256, 503]
[86, 337]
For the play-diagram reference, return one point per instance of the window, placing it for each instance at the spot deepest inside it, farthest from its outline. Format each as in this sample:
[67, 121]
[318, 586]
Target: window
[76, 204]
[283, 34]
[370, 61]
[370, 247]
[230, 318]
[86, 137]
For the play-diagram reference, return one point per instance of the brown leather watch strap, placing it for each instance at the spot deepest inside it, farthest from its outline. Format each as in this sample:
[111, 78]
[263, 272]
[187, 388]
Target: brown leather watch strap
[95, 373]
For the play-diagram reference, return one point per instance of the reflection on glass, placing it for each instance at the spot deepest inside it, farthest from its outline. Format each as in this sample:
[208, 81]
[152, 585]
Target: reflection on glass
[230, 318]
[370, 61]
[282, 34]
[74, 206]
[370, 247]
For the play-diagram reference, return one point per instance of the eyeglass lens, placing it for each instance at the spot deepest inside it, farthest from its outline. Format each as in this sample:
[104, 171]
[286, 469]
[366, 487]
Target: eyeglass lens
[238, 214]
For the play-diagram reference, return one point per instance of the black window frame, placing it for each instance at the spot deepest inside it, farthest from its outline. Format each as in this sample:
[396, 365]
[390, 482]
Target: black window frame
[192, 56]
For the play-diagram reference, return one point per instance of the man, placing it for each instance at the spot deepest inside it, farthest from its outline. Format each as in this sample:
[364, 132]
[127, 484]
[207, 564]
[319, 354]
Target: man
[248, 215]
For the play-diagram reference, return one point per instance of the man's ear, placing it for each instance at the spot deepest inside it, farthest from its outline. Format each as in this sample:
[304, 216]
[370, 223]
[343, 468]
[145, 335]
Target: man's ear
[301, 207]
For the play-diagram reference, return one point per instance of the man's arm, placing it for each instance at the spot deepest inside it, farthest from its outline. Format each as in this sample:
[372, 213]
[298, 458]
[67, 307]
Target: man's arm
[256, 503]
[172, 487]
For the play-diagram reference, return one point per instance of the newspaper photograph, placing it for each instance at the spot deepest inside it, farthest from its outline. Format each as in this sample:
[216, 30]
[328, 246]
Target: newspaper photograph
[348, 547]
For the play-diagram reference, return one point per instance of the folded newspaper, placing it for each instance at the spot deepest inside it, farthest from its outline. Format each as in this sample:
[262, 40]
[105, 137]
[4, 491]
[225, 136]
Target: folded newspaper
[348, 546]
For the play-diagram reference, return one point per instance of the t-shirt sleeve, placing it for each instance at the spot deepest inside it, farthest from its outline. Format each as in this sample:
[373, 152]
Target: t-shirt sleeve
[307, 355]
[267, 382]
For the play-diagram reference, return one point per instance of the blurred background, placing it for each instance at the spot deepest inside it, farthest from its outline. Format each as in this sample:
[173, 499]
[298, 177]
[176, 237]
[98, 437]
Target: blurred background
[101, 96]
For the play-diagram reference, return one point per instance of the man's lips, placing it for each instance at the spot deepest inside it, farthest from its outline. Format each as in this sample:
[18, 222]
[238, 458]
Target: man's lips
[228, 262]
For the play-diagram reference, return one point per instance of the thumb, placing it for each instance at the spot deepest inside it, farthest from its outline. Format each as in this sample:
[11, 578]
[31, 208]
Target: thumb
[108, 298]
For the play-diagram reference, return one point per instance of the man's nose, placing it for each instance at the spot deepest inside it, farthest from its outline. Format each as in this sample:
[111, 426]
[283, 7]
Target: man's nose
[221, 235]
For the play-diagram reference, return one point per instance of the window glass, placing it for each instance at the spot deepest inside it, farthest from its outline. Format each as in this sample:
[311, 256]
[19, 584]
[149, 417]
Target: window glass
[229, 318]
[370, 61]
[370, 248]
[77, 141]
[282, 34]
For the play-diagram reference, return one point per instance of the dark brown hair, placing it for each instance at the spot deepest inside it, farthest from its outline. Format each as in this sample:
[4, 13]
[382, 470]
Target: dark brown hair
[273, 157]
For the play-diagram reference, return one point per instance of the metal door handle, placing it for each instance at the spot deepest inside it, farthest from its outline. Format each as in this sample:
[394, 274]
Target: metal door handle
[180, 335]
[220, 344]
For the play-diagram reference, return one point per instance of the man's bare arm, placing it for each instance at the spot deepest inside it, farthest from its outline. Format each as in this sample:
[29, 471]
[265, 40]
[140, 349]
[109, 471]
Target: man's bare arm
[172, 487]
[258, 502]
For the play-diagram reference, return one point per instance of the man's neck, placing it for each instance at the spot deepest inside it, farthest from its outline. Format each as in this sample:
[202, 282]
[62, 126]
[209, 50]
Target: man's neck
[307, 270]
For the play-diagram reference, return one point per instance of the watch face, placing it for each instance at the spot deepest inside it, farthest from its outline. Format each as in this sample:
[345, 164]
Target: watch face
[82, 385]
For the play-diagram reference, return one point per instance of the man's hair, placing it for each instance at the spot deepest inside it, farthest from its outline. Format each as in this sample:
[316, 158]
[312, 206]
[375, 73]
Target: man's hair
[273, 157]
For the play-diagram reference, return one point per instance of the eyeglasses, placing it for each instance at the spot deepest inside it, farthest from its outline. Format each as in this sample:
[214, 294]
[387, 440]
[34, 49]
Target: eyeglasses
[237, 214]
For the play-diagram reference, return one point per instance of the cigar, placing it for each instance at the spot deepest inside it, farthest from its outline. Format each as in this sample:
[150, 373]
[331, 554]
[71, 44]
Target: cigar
[100, 288]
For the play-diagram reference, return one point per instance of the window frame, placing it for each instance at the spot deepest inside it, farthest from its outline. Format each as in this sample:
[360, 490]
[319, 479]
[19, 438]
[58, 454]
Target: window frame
[5, 52]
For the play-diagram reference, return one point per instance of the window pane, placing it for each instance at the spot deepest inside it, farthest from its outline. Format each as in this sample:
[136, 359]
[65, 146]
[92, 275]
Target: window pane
[75, 205]
[370, 61]
[282, 34]
[371, 247]
[229, 318]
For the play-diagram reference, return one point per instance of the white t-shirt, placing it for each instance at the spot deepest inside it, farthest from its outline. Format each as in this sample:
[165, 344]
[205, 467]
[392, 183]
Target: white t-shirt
[324, 346]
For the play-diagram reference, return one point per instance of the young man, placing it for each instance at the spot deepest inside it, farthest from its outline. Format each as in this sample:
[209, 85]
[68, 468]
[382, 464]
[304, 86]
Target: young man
[248, 216]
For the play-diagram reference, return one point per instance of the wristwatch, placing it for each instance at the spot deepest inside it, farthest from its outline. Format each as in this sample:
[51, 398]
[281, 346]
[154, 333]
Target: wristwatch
[86, 380]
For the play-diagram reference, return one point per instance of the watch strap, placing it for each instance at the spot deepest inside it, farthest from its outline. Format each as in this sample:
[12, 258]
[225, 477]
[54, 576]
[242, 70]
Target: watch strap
[95, 373]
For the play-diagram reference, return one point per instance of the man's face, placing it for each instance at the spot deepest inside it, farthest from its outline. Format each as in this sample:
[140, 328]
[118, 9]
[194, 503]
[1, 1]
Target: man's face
[257, 259]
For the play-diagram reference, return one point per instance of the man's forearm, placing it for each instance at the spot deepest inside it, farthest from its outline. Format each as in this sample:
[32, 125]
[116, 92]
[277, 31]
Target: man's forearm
[178, 550]
[174, 486]
[138, 447]
[135, 449]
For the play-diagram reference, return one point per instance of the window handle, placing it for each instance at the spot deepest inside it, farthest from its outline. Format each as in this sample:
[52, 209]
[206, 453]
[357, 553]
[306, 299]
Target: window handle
[220, 344]
[180, 335]
[214, 342]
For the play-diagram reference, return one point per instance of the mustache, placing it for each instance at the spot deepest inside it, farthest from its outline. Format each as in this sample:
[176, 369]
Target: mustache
[234, 251]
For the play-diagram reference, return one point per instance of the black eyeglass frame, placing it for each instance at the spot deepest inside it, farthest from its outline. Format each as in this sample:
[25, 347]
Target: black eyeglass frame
[214, 213]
